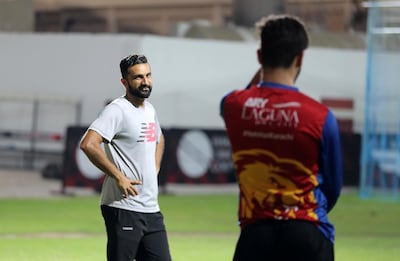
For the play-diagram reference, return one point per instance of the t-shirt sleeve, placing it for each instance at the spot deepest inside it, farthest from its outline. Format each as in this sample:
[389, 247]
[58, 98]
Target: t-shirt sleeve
[108, 123]
[331, 166]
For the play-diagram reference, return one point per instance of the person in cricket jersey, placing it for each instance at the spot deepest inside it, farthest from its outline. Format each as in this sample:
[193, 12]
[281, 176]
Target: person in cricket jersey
[287, 154]
[127, 144]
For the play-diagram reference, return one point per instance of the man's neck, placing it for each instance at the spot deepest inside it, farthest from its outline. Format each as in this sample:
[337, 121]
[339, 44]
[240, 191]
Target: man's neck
[281, 76]
[137, 102]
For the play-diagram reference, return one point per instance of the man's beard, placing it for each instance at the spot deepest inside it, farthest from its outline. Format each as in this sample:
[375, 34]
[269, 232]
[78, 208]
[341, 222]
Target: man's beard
[139, 92]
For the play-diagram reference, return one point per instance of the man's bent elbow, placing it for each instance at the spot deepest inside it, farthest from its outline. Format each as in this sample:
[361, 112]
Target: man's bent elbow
[85, 146]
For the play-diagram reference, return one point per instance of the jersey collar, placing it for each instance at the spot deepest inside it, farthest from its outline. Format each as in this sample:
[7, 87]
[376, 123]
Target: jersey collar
[277, 85]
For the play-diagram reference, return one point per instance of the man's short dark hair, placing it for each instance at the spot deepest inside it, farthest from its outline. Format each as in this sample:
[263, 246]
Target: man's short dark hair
[130, 61]
[283, 37]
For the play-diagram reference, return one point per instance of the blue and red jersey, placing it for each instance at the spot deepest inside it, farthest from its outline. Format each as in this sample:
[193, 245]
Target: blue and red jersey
[287, 154]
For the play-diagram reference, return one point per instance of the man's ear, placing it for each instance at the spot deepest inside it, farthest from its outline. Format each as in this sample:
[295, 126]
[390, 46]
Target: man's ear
[124, 82]
[259, 56]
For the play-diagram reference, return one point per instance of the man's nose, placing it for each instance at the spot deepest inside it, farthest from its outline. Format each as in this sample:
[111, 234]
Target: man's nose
[146, 80]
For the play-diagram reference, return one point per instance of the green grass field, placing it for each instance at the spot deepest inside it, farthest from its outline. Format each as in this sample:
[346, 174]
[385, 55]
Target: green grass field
[200, 227]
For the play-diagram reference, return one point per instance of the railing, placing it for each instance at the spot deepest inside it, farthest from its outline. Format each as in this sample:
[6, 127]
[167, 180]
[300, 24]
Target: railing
[25, 150]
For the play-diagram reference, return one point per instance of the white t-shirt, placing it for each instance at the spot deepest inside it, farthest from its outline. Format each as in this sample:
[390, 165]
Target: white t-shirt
[130, 135]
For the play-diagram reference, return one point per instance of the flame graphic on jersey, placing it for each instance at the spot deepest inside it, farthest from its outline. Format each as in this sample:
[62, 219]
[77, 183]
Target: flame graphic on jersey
[273, 187]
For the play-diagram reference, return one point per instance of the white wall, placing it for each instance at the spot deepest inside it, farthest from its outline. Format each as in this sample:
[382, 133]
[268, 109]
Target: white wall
[71, 67]
[336, 73]
[189, 76]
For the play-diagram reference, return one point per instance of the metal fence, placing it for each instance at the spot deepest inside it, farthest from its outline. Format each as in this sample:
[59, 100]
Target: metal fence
[32, 130]
[380, 156]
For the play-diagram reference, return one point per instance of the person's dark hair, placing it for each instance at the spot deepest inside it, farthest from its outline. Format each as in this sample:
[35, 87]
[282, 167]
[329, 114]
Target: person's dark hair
[282, 38]
[130, 61]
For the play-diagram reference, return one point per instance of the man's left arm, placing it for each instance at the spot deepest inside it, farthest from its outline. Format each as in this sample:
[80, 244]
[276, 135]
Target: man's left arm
[159, 152]
[331, 161]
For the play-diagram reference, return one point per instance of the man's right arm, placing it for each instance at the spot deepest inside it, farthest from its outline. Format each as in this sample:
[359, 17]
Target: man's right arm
[257, 78]
[91, 146]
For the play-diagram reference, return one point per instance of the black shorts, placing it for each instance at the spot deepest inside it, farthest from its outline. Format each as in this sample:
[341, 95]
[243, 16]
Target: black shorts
[284, 241]
[135, 236]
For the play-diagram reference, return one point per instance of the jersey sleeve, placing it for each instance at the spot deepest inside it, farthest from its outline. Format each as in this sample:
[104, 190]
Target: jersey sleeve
[108, 123]
[222, 105]
[331, 166]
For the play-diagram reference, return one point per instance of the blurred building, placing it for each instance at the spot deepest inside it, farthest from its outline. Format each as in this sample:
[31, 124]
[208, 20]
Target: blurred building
[16, 15]
[247, 12]
[330, 15]
[333, 23]
[126, 16]
[322, 15]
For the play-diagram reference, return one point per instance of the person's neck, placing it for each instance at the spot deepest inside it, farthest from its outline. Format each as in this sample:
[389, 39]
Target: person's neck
[137, 102]
[281, 76]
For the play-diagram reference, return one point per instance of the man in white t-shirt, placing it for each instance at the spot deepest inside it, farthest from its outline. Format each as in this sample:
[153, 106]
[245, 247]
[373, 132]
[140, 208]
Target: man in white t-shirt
[127, 144]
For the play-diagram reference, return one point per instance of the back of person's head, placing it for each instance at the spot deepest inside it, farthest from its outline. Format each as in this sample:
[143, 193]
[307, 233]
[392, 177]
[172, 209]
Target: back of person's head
[283, 37]
[130, 61]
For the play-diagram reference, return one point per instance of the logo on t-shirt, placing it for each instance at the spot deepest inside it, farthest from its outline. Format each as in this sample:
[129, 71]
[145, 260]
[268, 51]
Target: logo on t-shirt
[148, 132]
[276, 114]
